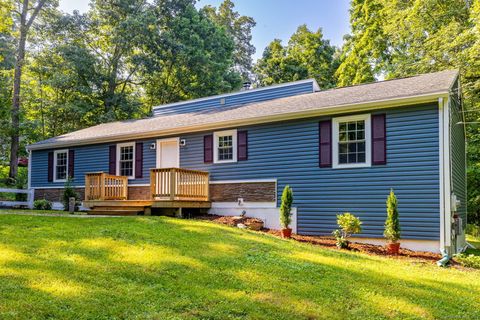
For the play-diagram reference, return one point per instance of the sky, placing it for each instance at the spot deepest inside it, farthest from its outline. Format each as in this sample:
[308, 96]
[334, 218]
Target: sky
[276, 18]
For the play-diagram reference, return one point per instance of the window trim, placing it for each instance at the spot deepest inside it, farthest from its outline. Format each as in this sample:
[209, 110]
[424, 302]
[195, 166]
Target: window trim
[218, 134]
[368, 141]
[119, 146]
[55, 155]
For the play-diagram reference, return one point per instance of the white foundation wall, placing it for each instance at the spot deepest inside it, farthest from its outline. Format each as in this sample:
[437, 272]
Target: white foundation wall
[265, 211]
[415, 245]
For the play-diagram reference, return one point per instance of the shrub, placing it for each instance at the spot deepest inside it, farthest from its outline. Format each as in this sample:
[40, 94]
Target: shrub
[392, 224]
[42, 204]
[468, 260]
[349, 224]
[473, 230]
[286, 207]
[69, 192]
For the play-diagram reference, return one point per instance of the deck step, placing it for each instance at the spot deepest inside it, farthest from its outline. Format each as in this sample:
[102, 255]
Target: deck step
[119, 207]
[117, 212]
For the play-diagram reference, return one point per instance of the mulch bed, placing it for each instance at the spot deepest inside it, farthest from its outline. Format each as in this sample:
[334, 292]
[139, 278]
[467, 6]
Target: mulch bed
[327, 241]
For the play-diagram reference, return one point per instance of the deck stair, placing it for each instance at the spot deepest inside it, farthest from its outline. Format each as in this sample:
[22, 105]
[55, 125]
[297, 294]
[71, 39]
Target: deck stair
[118, 210]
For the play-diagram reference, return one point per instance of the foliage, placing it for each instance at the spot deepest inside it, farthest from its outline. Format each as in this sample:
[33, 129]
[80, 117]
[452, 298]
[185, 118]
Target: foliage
[42, 204]
[69, 192]
[307, 55]
[349, 224]
[286, 207]
[240, 29]
[469, 260]
[155, 260]
[473, 230]
[392, 224]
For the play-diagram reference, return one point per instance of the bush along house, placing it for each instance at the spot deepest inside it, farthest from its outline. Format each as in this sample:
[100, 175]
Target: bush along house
[341, 150]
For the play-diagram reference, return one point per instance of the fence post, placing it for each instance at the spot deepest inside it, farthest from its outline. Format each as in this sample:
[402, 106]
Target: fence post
[30, 198]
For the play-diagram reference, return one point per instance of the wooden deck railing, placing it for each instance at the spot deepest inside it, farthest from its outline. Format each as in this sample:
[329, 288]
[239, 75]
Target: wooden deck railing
[103, 186]
[179, 184]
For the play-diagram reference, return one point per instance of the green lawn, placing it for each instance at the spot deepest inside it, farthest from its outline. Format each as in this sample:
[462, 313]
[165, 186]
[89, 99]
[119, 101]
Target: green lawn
[165, 268]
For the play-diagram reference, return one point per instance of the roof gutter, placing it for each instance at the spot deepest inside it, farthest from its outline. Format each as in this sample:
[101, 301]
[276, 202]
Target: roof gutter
[337, 109]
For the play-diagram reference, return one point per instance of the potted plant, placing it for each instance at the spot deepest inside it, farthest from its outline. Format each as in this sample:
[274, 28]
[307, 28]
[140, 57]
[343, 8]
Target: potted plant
[286, 212]
[349, 224]
[392, 225]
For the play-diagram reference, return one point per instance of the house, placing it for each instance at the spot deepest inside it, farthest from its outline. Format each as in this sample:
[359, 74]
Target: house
[341, 150]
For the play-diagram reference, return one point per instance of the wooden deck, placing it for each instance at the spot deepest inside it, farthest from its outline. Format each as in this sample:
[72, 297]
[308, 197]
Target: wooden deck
[170, 188]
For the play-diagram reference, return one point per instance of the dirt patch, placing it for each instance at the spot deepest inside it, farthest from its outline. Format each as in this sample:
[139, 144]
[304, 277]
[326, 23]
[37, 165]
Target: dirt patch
[329, 242]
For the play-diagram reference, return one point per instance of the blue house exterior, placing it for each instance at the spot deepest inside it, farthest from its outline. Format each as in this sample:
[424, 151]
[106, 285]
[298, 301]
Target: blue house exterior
[340, 150]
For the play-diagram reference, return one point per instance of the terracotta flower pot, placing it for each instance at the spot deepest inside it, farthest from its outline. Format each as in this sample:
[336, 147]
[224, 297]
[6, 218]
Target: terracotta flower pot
[287, 233]
[393, 247]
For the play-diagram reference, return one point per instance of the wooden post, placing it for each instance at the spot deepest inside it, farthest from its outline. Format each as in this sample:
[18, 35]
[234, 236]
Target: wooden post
[172, 183]
[153, 187]
[102, 186]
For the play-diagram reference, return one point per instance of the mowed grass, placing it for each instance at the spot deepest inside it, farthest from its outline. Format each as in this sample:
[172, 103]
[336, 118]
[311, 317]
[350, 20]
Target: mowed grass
[166, 268]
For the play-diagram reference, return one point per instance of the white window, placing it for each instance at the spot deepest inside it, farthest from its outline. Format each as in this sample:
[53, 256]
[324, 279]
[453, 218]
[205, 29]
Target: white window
[126, 159]
[225, 146]
[60, 165]
[351, 141]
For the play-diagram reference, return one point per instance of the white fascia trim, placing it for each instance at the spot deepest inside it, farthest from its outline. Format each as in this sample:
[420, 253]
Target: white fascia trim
[368, 141]
[247, 204]
[316, 87]
[55, 154]
[117, 165]
[216, 136]
[441, 174]
[243, 181]
[447, 172]
[336, 109]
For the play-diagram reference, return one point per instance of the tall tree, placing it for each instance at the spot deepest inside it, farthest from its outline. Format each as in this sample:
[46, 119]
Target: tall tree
[188, 56]
[26, 12]
[365, 48]
[307, 55]
[240, 29]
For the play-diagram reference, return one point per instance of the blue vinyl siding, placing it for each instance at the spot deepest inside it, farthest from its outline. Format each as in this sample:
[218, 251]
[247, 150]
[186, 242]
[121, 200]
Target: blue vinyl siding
[237, 99]
[91, 158]
[288, 151]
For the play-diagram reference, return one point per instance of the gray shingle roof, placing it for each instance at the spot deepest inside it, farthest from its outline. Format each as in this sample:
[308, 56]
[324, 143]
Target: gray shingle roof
[333, 100]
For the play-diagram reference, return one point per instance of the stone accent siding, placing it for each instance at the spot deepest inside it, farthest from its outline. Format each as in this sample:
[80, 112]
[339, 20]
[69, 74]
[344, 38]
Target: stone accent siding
[250, 192]
[139, 193]
[55, 195]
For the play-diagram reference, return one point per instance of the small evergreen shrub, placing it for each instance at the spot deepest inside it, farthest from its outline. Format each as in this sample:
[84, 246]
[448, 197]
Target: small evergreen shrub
[468, 260]
[42, 204]
[349, 224]
[392, 224]
[69, 192]
[286, 207]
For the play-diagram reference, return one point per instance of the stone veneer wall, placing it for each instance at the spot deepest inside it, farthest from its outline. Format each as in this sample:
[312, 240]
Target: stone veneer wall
[219, 192]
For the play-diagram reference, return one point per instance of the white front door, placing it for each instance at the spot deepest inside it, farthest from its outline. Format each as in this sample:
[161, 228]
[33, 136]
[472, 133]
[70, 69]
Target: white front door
[168, 153]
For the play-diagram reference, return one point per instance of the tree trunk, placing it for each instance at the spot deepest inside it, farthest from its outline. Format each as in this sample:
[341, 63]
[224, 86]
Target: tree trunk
[15, 135]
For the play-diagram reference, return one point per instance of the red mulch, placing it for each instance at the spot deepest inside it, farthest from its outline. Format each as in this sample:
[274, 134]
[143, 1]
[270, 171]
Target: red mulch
[327, 241]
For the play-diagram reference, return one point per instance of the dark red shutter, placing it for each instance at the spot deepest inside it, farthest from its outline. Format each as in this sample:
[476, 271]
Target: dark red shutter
[325, 143]
[379, 139]
[50, 166]
[242, 145]
[71, 163]
[112, 162]
[208, 148]
[139, 160]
